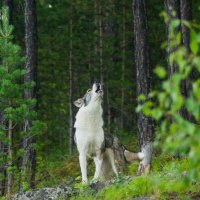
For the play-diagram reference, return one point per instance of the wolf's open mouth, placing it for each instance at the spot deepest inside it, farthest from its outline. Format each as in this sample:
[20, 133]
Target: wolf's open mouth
[98, 88]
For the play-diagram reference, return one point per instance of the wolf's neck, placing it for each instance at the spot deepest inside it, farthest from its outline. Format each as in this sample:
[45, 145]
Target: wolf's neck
[89, 117]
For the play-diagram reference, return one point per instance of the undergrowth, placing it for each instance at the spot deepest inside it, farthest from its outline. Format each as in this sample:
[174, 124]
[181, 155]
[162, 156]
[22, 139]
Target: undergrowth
[168, 180]
[56, 167]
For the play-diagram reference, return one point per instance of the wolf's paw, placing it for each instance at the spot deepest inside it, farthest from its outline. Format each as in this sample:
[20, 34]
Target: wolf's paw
[93, 181]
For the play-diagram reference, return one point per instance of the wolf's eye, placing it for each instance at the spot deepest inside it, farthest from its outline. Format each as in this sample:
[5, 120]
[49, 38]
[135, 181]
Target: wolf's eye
[89, 90]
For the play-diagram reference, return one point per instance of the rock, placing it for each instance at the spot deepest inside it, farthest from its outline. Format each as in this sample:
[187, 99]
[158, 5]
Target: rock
[45, 194]
[141, 198]
[97, 186]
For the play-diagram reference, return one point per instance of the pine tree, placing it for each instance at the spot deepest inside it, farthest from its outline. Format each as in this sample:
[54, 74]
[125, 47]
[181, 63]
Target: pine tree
[9, 4]
[28, 161]
[71, 138]
[14, 107]
[9, 90]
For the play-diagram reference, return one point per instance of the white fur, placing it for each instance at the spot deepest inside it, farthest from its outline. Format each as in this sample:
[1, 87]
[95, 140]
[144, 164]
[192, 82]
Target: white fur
[90, 135]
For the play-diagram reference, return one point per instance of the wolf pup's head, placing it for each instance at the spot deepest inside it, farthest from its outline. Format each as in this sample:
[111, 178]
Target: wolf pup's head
[92, 95]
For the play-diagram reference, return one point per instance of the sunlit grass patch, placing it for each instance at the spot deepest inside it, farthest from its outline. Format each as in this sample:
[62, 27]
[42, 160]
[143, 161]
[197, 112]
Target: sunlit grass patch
[168, 179]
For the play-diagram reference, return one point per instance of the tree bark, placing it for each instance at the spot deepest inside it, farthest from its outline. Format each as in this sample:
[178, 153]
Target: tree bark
[10, 160]
[28, 161]
[108, 106]
[123, 64]
[186, 14]
[2, 164]
[70, 90]
[101, 44]
[173, 11]
[96, 18]
[183, 11]
[145, 125]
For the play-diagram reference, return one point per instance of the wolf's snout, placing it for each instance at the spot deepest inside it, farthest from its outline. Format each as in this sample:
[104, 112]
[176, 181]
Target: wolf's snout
[98, 88]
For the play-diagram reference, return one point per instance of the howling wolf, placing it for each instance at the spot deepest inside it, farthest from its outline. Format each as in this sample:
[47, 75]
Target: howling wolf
[91, 140]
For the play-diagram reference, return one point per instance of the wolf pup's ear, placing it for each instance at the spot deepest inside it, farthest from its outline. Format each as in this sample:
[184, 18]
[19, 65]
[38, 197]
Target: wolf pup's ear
[79, 102]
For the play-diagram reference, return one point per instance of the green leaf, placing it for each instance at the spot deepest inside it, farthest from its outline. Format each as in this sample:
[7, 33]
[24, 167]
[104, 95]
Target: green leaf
[194, 47]
[160, 71]
[175, 23]
[186, 23]
[138, 108]
[179, 37]
[195, 39]
[141, 97]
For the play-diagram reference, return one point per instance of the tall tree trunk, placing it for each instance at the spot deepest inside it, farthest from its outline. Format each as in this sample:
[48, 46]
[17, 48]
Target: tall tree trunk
[28, 161]
[145, 125]
[101, 43]
[108, 105]
[186, 14]
[103, 70]
[123, 64]
[70, 90]
[2, 170]
[2, 164]
[96, 18]
[10, 160]
[172, 8]
[183, 11]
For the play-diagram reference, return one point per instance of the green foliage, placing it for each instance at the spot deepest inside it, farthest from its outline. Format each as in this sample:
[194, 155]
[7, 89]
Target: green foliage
[14, 108]
[166, 181]
[53, 165]
[12, 104]
[179, 135]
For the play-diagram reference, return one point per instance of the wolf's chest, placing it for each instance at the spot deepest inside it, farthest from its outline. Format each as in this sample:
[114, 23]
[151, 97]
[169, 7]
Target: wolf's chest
[90, 143]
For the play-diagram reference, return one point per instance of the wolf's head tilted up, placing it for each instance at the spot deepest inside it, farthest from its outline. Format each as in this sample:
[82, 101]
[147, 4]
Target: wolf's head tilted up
[90, 139]
[89, 135]
[92, 95]
[90, 109]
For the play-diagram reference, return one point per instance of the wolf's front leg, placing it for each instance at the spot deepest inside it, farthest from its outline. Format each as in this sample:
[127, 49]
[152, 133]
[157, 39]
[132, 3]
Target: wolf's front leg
[98, 164]
[83, 165]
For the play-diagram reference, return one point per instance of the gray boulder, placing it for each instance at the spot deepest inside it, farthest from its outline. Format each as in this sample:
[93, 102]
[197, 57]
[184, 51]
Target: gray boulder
[45, 194]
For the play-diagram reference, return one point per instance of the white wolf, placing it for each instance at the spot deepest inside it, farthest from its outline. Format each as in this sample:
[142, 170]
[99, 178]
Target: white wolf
[89, 135]
[91, 140]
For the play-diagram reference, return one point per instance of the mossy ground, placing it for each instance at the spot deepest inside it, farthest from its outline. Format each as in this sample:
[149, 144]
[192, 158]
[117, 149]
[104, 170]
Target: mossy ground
[168, 179]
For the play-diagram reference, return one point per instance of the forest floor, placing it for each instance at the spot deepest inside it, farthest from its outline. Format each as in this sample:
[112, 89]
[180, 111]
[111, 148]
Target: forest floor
[58, 174]
[168, 180]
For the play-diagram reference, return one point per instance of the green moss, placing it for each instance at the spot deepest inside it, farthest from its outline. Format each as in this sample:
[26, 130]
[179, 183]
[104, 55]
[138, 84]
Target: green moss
[139, 186]
[168, 180]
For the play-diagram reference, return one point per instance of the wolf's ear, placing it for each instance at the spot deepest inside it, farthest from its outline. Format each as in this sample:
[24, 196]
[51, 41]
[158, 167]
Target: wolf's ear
[79, 102]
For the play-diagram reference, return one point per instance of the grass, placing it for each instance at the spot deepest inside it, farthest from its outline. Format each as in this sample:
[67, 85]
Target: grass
[57, 168]
[168, 179]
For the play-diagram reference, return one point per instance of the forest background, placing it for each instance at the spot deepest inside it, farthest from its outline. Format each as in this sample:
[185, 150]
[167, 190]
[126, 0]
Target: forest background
[77, 42]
